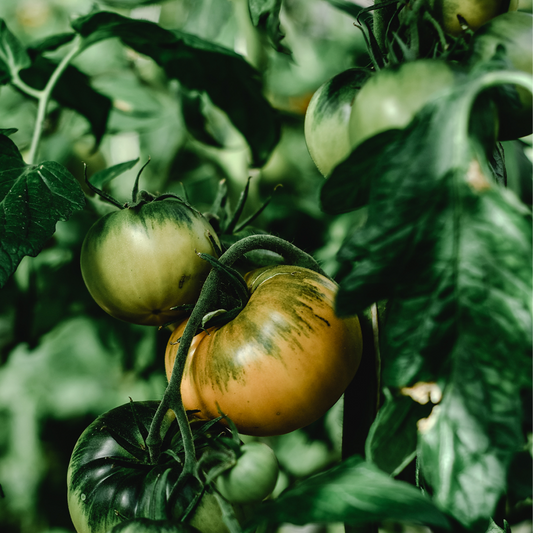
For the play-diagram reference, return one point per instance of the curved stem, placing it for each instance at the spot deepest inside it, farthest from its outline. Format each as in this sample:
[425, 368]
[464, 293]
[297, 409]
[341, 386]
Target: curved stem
[172, 398]
[43, 96]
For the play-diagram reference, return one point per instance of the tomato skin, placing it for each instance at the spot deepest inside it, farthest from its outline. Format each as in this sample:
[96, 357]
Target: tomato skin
[392, 97]
[110, 477]
[137, 263]
[327, 118]
[254, 476]
[474, 12]
[281, 363]
[513, 30]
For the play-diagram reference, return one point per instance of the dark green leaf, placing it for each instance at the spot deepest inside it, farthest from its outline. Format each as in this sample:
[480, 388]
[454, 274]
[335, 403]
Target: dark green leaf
[231, 83]
[451, 250]
[32, 199]
[51, 43]
[354, 492]
[8, 131]
[265, 15]
[348, 7]
[392, 440]
[13, 56]
[348, 186]
[100, 178]
[94, 106]
[192, 107]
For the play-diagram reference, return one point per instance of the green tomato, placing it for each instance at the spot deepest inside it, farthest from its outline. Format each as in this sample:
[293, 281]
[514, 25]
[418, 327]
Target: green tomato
[145, 525]
[452, 14]
[253, 477]
[111, 477]
[140, 262]
[391, 98]
[327, 117]
[514, 31]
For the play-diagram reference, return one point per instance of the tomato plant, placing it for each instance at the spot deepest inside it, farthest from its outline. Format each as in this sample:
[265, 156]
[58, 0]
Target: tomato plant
[391, 98]
[141, 262]
[252, 478]
[513, 31]
[111, 477]
[281, 363]
[327, 118]
[458, 15]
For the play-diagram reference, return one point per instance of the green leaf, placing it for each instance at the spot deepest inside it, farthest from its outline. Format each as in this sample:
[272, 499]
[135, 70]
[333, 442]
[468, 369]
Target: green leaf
[392, 440]
[451, 250]
[265, 16]
[351, 9]
[32, 199]
[231, 83]
[100, 178]
[192, 106]
[51, 43]
[94, 106]
[354, 492]
[13, 56]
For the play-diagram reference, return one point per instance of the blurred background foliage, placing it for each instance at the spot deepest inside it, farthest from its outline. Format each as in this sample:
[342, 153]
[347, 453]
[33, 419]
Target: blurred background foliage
[63, 361]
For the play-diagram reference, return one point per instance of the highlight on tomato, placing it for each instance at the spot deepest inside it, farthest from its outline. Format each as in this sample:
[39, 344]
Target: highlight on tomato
[327, 118]
[391, 98]
[141, 262]
[281, 363]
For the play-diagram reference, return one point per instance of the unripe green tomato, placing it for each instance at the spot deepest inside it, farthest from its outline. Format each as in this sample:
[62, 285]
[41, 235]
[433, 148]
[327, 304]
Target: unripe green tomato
[515, 32]
[254, 476]
[139, 262]
[392, 97]
[474, 13]
[327, 117]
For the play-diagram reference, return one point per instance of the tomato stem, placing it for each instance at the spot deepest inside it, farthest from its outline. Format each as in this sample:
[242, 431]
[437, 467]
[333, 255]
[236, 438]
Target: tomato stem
[206, 303]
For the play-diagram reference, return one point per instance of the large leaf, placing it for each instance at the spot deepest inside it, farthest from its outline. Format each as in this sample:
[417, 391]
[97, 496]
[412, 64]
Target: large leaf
[451, 251]
[33, 198]
[72, 90]
[13, 56]
[354, 492]
[231, 83]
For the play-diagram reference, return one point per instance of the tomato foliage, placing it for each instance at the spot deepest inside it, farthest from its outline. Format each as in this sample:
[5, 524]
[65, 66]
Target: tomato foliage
[419, 126]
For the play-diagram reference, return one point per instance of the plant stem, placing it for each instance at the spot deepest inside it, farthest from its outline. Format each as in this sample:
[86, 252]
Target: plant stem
[43, 96]
[206, 302]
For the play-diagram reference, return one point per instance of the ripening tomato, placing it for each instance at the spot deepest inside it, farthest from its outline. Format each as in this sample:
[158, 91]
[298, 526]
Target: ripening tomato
[281, 363]
[327, 118]
[391, 98]
[140, 262]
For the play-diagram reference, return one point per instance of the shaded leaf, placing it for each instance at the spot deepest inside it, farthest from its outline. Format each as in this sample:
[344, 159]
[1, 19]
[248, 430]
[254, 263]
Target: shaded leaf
[32, 199]
[451, 250]
[354, 492]
[348, 7]
[51, 43]
[94, 106]
[13, 56]
[231, 83]
[192, 106]
[392, 440]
